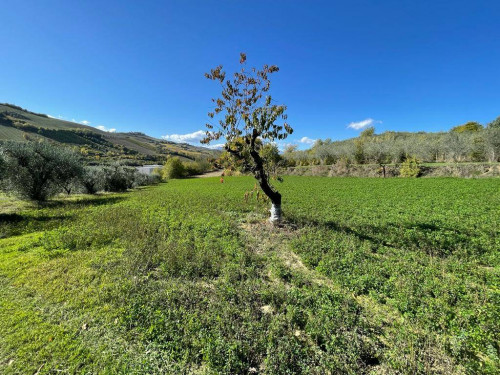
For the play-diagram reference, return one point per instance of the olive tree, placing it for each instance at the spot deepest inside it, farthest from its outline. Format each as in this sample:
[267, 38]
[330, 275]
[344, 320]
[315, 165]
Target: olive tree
[2, 165]
[247, 118]
[36, 170]
[492, 143]
[93, 179]
[495, 124]
[69, 171]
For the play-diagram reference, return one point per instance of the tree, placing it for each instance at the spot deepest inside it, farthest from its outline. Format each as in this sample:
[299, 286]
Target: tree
[492, 143]
[368, 132]
[246, 115]
[495, 124]
[3, 165]
[118, 178]
[69, 172]
[272, 158]
[457, 146]
[93, 179]
[173, 168]
[33, 169]
[471, 126]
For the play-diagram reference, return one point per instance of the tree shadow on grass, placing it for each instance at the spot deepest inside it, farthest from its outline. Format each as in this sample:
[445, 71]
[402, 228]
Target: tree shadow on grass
[336, 227]
[83, 202]
[14, 224]
[430, 238]
[18, 223]
[14, 218]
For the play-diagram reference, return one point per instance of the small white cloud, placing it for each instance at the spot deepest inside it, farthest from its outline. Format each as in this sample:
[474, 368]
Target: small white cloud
[194, 137]
[85, 122]
[51, 116]
[217, 146]
[307, 140]
[363, 124]
[105, 129]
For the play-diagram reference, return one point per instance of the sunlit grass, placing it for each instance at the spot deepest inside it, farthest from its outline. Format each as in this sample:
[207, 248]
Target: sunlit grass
[368, 275]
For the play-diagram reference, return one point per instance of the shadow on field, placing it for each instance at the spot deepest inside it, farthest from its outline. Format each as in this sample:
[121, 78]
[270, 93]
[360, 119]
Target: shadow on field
[436, 240]
[364, 236]
[13, 224]
[14, 218]
[82, 202]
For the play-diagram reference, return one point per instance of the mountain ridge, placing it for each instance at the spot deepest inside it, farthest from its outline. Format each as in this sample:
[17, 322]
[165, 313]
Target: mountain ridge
[20, 124]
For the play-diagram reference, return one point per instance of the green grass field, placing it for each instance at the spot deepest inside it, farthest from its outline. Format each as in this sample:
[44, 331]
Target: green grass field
[377, 276]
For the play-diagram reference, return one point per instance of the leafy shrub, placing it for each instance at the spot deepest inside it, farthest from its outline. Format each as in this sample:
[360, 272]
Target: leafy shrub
[141, 179]
[173, 169]
[410, 168]
[193, 168]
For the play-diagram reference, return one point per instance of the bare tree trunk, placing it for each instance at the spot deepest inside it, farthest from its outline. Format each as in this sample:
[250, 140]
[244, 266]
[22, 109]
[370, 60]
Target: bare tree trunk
[263, 179]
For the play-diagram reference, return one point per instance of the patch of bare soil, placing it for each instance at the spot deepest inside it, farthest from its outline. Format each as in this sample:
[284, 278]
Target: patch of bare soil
[217, 173]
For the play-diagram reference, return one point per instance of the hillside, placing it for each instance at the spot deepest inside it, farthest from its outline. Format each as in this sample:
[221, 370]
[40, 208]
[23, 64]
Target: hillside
[18, 124]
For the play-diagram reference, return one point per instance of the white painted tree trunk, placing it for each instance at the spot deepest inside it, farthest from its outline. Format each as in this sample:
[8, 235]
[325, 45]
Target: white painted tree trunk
[275, 214]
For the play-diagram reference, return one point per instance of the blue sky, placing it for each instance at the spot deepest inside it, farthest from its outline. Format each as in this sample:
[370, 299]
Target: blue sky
[138, 65]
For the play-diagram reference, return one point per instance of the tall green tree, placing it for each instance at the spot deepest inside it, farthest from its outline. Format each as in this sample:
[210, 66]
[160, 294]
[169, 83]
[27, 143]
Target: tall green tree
[247, 114]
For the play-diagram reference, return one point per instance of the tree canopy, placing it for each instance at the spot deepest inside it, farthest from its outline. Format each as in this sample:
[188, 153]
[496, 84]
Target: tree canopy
[248, 116]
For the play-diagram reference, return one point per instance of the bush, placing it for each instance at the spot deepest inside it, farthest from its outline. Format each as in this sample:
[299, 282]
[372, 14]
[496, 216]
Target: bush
[410, 168]
[119, 178]
[196, 167]
[93, 180]
[144, 179]
[36, 170]
[173, 168]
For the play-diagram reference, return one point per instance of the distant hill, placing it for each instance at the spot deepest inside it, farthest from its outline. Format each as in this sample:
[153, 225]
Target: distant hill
[19, 124]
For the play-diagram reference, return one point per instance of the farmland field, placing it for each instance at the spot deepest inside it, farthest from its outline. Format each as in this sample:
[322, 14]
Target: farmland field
[378, 276]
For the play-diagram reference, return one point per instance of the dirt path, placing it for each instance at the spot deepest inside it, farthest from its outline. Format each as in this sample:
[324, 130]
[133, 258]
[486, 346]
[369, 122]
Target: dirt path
[216, 173]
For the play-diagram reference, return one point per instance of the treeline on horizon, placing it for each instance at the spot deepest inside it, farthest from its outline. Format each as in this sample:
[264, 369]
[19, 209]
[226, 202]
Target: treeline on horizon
[471, 142]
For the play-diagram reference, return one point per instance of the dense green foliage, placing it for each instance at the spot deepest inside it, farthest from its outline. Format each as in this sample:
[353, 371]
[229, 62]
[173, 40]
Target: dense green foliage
[495, 124]
[93, 179]
[471, 126]
[372, 275]
[409, 168]
[174, 168]
[38, 170]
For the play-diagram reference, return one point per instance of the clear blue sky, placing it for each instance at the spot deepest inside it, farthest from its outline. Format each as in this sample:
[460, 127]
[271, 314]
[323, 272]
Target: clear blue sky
[138, 65]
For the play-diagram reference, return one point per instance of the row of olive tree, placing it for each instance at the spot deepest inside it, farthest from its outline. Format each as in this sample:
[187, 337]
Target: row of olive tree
[465, 143]
[39, 170]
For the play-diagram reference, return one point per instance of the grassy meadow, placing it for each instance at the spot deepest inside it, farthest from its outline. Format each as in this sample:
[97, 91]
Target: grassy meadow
[375, 276]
